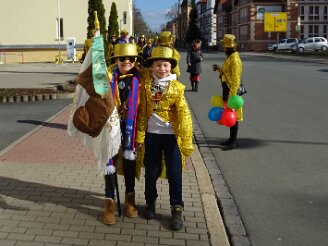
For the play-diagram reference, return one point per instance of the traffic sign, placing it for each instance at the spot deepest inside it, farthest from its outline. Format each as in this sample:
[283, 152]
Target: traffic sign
[275, 22]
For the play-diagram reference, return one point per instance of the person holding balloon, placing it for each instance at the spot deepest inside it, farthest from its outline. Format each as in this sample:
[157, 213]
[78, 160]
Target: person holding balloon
[230, 75]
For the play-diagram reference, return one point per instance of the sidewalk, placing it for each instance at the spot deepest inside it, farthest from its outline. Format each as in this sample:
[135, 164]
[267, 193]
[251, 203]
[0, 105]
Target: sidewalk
[50, 195]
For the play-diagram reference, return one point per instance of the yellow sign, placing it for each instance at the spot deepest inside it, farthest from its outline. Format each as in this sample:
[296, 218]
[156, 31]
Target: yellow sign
[275, 22]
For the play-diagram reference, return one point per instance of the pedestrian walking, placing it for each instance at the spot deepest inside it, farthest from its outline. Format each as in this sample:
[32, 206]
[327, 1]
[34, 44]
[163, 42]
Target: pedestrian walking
[165, 130]
[194, 59]
[230, 74]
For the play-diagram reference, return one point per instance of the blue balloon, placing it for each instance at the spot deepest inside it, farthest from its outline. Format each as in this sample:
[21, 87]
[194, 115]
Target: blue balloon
[215, 113]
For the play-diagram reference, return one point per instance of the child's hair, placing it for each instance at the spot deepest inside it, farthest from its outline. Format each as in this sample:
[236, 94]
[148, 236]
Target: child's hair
[197, 41]
[160, 59]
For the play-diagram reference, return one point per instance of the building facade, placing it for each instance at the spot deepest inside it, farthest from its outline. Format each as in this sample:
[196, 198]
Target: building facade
[207, 22]
[183, 21]
[245, 19]
[32, 24]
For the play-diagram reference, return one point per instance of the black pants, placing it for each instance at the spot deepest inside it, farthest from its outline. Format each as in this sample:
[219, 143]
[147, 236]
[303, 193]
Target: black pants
[155, 146]
[234, 128]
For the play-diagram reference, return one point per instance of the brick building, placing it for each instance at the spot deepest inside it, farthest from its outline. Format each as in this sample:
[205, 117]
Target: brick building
[245, 19]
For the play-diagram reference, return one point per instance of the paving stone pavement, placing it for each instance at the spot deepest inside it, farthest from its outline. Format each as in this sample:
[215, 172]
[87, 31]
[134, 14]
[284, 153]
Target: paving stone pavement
[50, 194]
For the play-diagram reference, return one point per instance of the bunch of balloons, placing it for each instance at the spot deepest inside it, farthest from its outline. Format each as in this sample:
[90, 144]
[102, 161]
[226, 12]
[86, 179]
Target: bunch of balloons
[225, 114]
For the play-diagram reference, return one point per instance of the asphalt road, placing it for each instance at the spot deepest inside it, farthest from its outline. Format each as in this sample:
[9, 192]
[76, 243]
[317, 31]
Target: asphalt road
[278, 176]
[19, 118]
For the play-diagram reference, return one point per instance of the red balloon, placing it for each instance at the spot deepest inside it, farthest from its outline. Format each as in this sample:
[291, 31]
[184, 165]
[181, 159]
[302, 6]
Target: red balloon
[219, 122]
[229, 118]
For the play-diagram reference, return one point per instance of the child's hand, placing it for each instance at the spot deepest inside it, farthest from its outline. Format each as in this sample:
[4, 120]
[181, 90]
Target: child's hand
[139, 145]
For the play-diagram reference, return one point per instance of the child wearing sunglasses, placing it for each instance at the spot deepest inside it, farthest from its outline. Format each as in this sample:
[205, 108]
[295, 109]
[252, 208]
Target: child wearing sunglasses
[164, 130]
[125, 87]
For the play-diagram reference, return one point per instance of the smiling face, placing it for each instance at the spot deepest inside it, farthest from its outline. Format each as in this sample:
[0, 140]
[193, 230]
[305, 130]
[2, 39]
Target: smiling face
[125, 66]
[161, 68]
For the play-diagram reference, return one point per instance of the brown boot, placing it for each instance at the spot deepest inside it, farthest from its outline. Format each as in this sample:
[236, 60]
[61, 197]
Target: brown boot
[109, 214]
[130, 208]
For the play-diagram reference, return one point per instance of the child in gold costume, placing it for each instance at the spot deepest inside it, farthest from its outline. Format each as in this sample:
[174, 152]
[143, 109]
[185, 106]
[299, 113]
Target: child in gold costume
[165, 130]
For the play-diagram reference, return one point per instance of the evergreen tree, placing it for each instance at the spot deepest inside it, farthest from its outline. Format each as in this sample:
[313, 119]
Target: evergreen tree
[193, 31]
[112, 22]
[96, 5]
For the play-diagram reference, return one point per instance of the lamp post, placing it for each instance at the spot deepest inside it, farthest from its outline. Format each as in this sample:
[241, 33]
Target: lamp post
[58, 23]
[298, 25]
[121, 25]
[179, 22]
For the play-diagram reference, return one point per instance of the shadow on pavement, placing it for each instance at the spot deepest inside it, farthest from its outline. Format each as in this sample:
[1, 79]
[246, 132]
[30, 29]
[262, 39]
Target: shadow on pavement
[79, 200]
[42, 123]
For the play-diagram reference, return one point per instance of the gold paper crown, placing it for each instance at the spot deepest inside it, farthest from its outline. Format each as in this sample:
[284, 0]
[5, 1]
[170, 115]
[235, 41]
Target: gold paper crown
[125, 49]
[124, 31]
[228, 41]
[166, 38]
[150, 41]
[161, 53]
[142, 36]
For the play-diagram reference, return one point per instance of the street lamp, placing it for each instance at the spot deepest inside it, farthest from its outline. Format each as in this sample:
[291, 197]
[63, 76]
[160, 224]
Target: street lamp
[121, 25]
[58, 28]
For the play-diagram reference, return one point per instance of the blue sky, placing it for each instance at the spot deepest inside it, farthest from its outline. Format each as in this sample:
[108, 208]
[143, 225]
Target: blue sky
[154, 11]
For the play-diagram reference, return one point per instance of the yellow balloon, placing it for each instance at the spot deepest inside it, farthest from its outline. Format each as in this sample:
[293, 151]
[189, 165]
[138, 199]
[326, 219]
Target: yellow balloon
[217, 101]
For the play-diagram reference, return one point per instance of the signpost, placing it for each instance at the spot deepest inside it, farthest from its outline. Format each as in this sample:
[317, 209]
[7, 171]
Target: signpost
[275, 22]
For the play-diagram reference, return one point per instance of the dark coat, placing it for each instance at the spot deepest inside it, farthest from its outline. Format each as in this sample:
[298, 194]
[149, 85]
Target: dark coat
[194, 57]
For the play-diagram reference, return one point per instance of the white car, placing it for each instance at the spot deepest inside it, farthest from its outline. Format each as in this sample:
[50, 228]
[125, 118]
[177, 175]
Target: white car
[313, 44]
[283, 45]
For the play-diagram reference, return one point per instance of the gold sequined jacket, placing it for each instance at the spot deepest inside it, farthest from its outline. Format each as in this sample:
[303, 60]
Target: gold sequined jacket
[231, 74]
[172, 108]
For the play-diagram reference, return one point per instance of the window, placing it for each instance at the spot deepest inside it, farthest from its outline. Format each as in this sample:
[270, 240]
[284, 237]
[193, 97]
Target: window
[314, 13]
[59, 29]
[243, 33]
[243, 15]
[302, 13]
[313, 30]
[125, 17]
[325, 12]
[302, 32]
[325, 33]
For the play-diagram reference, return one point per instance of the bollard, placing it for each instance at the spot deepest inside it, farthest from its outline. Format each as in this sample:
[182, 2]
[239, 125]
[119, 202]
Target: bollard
[31, 98]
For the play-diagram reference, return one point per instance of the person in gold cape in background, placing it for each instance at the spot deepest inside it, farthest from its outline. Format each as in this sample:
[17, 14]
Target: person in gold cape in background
[167, 39]
[230, 74]
[164, 130]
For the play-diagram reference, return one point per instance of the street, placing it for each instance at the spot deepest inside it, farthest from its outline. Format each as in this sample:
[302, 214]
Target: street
[278, 176]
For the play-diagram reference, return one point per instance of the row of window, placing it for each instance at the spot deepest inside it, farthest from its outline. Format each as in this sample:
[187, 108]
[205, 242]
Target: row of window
[313, 12]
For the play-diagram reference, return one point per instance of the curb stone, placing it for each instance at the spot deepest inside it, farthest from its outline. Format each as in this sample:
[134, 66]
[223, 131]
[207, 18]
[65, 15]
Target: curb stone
[37, 97]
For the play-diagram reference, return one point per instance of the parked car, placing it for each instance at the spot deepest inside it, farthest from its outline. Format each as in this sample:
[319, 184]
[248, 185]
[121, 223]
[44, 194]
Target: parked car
[283, 45]
[313, 44]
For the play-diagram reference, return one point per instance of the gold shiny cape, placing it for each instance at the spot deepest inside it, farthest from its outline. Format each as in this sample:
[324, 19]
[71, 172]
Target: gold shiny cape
[172, 108]
[231, 74]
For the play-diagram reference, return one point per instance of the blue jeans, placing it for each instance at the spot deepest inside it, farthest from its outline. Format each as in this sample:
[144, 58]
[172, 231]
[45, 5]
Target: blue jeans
[155, 146]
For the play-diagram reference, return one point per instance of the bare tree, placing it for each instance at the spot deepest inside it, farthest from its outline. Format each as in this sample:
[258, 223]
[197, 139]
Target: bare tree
[140, 26]
[172, 14]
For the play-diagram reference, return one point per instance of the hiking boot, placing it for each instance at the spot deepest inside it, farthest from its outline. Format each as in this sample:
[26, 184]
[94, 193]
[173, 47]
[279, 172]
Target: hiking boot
[150, 211]
[130, 207]
[176, 221]
[109, 213]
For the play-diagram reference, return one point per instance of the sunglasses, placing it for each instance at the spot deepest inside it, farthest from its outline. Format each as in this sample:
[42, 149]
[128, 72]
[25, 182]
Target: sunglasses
[130, 58]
